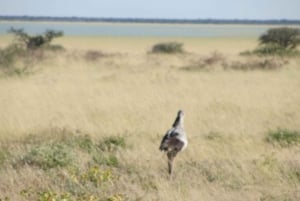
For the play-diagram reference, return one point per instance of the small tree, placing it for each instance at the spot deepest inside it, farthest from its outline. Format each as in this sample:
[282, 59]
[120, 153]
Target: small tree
[35, 42]
[168, 48]
[284, 37]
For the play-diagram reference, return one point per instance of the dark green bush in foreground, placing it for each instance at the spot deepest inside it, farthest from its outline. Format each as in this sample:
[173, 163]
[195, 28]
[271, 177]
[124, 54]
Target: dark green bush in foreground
[167, 48]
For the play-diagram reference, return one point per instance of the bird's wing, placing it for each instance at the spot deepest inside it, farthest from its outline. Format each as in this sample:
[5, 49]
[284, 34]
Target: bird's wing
[165, 142]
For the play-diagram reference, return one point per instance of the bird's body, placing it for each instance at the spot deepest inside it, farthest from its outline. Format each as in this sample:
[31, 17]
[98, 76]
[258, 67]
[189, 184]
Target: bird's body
[174, 140]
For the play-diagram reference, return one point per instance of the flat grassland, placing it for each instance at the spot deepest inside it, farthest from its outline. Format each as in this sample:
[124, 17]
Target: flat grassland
[86, 123]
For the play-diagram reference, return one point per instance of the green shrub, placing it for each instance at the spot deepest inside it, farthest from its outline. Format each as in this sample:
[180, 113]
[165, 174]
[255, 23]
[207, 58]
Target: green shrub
[168, 48]
[26, 51]
[282, 41]
[48, 156]
[284, 37]
[37, 41]
[83, 142]
[106, 159]
[283, 137]
[9, 55]
[112, 143]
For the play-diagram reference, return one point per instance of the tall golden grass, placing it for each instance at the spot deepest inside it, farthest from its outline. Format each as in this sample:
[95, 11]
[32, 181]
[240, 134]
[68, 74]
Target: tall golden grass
[136, 95]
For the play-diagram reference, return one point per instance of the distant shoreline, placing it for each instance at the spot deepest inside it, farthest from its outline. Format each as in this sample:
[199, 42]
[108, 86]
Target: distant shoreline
[151, 21]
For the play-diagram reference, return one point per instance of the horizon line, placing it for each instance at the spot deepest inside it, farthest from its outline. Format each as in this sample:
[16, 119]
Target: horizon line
[142, 19]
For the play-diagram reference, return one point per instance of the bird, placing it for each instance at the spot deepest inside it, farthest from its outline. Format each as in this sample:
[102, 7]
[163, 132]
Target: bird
[174, 140]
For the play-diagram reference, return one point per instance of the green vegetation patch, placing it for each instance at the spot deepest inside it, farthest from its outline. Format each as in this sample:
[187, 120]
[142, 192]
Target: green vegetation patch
[3, 156]
[112, 143]
[281, 41]
[48, 156]
[283, 137]
[27, 50]
[83, 168]
[168, 48]
[63, 148]
[285, 37]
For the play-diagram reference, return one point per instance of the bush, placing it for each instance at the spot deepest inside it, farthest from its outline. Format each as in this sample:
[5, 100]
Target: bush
[37, 41]
[26, 51]
[284, 37]
[48, 156]
[167, 48]
[9, 55]
[112, 143]
[283, 137]
[277, 41]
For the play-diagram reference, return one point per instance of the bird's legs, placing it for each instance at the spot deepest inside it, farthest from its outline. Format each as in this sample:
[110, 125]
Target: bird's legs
[171, 155]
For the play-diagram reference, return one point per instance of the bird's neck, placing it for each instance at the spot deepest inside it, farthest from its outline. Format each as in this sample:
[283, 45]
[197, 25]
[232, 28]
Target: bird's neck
[178, 123]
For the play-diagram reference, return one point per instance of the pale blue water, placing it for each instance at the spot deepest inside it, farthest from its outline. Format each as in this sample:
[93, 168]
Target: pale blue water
[138, 30]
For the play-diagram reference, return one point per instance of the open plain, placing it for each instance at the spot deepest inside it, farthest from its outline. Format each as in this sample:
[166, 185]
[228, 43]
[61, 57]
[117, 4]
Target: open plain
[86, 123]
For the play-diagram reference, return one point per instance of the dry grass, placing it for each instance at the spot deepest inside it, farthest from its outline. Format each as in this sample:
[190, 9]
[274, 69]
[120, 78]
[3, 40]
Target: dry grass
[136, 96]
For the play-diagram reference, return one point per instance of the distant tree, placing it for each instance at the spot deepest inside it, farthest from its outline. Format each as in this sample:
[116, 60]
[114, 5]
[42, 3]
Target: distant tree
[284, 37]
[37, 41]
[167, 47]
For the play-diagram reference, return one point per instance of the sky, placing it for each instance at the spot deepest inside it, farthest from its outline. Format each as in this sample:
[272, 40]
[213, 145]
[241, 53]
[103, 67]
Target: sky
[176, 9]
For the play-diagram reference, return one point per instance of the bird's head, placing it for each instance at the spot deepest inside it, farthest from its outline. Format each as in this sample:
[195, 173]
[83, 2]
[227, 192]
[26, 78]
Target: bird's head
[180, 113]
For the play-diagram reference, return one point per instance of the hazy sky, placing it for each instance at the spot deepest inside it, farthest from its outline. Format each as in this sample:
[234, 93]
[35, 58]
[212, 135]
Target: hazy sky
[189, 9]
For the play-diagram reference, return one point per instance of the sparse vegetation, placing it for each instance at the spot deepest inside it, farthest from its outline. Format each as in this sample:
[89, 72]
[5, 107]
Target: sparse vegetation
[284, 37]
[93, 55]
[256, 64]
[48, 156]
[26, 50]
[218, 61]
[168, 48]
[283, 137]
[112, 143]
[281, 41]
[89, 131]
[35, 42]
[79, 179]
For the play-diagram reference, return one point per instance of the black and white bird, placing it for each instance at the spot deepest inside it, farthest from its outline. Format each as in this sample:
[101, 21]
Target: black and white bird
[174, 140]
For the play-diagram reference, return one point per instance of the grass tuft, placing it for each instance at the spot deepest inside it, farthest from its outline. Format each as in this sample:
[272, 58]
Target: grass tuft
[283, 137]
[112, 143]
